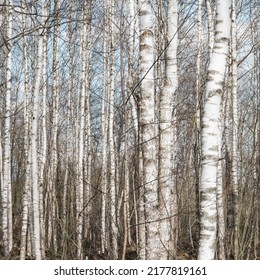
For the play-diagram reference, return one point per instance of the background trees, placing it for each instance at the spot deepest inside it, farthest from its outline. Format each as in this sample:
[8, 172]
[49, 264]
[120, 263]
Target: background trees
[104, 108]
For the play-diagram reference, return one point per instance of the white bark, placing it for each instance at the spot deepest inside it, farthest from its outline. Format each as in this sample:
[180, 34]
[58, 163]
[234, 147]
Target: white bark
[34, 141]
[234, 156]
[54, 131]
[68, 187]
[7, 185]
[168, 195]
[113, 196]
[81, 151]
[27, 155]
[87, 128]
[43, 155]
[148, 130]
[104, 134]
[211, 124]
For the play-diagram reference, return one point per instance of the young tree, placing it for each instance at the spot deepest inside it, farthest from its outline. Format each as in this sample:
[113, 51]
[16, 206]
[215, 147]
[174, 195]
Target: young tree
[148, 139]
[104, 121]
[234, 157]
[167, 140]
[27, 153]
[211, 130]
[34, 141]
[112, 160]
[7, 184]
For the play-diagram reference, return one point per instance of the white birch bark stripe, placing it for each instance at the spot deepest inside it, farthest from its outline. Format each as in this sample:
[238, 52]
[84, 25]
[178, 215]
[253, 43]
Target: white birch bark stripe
[167, 135]
[104, 134]
[114, 229]
[34, 141]
[211, 123]
[7, 187]
[26, 142]
[234, 168]
[147, 128]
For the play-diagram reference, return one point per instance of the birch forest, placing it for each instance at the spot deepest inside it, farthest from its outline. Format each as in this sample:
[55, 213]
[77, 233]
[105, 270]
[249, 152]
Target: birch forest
[130, 129]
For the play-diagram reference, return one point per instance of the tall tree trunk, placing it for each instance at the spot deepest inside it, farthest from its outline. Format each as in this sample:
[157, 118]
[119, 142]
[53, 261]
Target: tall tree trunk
[87, 128]
[234, 156]
[167, 130]
[211, 123]
[43, 144]
[7, 184]
[112, 161]
[81, 151]
[54, 134]
[34, 144]
[104, 187]
[27, 154]
[148, 131]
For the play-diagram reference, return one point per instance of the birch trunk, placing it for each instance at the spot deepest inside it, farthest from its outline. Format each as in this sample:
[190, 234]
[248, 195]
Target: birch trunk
[134, 127]
[43, 155]
[7, 184]
[148, 130]
[104, 134]
[34, 142]
[234, 156]
[167, 118]
[54, 134]
[68, 187]
[80, 174]
[114, 226]
[87, 128]
[26, 144]
[211, 124]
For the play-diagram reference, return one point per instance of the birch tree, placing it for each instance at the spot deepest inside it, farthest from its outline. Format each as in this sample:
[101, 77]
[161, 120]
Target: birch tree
[112, 160]
[7, 184]
[27, 154]
[43, 135]
[234, 157]
[148, 130]
[52, 233]
[211, 125]
[167, 140]
[81, 151]
[34, 144]
[87, 128]
[104, 128]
